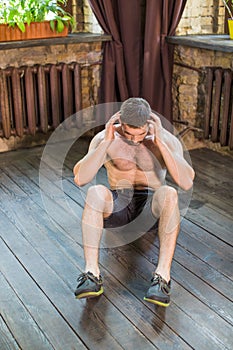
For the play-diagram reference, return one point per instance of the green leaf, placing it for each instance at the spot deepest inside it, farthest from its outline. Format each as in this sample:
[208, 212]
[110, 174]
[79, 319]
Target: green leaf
[52, 25]
[21, 26]
[60, 26]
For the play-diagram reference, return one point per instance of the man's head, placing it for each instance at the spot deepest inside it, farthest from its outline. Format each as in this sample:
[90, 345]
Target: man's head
[135, 112]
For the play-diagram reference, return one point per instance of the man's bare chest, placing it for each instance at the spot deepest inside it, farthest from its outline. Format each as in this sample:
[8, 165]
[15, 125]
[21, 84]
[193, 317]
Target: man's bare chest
[145, 157]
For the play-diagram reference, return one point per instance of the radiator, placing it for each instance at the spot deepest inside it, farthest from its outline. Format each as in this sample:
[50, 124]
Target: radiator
[38, 98]
[218, 122]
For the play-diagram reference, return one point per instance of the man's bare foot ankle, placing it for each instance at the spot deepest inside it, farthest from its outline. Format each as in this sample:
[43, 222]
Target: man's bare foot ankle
[165, 276]
[95, 272]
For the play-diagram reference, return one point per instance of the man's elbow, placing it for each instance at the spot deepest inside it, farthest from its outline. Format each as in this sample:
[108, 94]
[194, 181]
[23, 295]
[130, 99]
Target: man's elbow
[76, 169]
[78, 181]
[188, 184]
[192, 175]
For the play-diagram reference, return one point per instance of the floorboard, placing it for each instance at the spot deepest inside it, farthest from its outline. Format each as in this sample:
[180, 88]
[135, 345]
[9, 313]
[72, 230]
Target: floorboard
[41, 256]
[7, 340]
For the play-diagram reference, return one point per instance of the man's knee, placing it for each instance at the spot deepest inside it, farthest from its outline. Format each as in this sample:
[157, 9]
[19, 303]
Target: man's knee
[170, 193]
[97, 191]
[98, 197]
[163, 197]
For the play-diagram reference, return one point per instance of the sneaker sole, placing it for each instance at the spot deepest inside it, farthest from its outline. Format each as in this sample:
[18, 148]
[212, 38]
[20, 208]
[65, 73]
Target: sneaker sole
[160, 303]
[90, 294]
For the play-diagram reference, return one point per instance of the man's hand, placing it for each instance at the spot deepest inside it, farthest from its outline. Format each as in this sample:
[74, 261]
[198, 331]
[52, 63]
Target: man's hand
[154, 124]
[110, 128]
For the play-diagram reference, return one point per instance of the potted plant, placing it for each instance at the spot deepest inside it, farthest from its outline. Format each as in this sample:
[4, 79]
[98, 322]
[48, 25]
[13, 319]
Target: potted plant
[228, 4]
[33, 19]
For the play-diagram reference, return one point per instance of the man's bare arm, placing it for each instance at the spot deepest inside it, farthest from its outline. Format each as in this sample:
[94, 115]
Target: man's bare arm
[86, 169]
[172, 153]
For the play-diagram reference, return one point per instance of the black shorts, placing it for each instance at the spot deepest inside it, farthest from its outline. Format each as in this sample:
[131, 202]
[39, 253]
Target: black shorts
[131, 210]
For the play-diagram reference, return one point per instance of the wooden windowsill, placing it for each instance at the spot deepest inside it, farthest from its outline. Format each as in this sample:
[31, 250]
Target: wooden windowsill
[221, 43]
[73, 38]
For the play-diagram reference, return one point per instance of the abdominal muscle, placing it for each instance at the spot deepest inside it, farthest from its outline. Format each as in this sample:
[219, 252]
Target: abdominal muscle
[133, 178]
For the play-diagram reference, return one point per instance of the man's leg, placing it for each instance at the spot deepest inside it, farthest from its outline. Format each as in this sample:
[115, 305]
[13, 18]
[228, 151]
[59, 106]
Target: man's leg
[165, 206]
[99, 204]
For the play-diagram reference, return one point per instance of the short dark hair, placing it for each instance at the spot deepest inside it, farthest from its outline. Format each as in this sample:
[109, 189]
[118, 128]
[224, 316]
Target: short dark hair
[135, 112]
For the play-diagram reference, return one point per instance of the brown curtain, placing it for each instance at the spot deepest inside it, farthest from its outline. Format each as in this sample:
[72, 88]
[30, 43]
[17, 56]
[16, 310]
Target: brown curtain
[138, 61]
[162, 18]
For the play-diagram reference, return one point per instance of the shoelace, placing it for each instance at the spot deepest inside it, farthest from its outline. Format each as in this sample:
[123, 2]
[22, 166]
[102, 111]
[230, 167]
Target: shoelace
[163, 285]
[88, 275]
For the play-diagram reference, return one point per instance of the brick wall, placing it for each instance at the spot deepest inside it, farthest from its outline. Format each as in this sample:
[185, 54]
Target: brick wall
[86, 21]
[202, 17]
[91, 23]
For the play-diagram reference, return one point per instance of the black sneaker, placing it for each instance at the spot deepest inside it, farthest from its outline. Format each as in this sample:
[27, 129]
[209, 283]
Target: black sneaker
[89, 286]
[159, 291]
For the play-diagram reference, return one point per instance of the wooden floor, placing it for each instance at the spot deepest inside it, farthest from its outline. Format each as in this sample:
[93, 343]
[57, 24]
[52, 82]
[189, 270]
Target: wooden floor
[40, 258]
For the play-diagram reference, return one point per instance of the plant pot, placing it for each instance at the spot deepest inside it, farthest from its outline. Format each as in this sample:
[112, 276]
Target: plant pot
[230, 26]
[36, 30]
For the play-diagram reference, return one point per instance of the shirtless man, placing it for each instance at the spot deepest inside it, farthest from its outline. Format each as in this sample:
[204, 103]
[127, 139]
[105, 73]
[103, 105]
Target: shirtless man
[136, 153]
